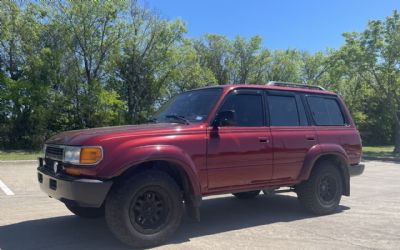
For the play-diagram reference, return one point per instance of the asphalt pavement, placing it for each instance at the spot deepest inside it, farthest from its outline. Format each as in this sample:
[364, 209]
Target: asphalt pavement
[368, 219]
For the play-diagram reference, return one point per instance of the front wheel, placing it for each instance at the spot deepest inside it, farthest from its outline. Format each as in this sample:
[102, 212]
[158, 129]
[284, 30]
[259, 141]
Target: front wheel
[322, 192]
[144, 210]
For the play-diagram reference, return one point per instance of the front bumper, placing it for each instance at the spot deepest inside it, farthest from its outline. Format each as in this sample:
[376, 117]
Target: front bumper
[355, 170]
[73, 190]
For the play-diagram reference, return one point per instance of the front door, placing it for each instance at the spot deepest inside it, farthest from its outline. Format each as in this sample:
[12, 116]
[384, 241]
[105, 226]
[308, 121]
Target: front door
[240, 153]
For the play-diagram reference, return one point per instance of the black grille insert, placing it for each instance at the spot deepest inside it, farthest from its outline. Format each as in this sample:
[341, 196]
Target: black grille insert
[53, 152]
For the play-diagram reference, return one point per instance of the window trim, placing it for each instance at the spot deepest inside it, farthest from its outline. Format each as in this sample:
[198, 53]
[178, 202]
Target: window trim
[339, 103]
[238, 91]
[298, 101]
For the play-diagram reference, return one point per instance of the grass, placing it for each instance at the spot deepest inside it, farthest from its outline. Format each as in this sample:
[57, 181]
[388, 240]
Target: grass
[12, 155]
[380, 152]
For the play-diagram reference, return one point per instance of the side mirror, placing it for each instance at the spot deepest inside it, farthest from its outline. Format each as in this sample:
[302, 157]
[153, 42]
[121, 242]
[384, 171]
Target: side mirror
[224, 118]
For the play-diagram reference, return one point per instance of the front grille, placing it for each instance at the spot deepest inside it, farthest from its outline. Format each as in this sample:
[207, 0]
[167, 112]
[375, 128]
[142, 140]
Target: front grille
[50, 163]
[54, 152]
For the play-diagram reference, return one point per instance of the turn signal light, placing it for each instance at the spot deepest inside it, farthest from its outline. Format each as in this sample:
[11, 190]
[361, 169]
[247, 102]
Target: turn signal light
[72, 171]
[90, 155]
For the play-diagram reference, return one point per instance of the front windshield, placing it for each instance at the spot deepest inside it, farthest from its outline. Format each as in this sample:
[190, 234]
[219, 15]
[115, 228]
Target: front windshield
[192, 106]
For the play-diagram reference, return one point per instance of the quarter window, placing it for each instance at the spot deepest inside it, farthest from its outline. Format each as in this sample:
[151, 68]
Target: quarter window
[326, 111]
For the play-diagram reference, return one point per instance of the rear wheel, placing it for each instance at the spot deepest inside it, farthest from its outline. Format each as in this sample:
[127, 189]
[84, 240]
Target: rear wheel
[322, 192]
[247, 195]
[144, 210]
[86, 212]
[269, 191]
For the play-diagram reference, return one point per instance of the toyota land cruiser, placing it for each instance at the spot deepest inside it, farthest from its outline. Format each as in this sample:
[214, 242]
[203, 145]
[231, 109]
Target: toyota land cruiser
[237, 139]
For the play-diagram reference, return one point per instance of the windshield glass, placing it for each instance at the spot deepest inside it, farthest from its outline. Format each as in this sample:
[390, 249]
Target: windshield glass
[192, 106]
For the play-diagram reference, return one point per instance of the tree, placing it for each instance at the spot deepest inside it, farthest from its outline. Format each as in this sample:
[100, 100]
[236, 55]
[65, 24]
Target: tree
[75, 64]
[22, 90]
[147, 61]
[93, 30]
[375, 57]
[283, 65]
[314, 66]
[189, 73]
[244, 58]
[215, 52]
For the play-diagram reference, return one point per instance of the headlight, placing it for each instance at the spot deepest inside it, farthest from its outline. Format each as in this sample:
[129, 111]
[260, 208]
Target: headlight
[72, 154]
[82, 155]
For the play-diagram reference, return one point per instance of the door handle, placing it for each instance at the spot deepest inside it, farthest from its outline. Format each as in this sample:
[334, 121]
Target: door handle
[310, 138]
[263, 139]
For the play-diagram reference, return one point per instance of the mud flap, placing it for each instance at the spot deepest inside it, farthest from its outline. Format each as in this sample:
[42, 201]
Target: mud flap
[192, 204]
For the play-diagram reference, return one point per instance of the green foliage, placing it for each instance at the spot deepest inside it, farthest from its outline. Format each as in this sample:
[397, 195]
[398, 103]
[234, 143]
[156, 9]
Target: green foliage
[372, 60]
[77, 64]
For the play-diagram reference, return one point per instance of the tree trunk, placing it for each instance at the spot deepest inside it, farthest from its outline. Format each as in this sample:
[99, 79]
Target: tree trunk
[397, 133]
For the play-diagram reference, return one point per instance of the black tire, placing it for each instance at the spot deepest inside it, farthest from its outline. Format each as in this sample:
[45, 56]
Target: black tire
[144, 210]
[269, 192]
[247, 195]
[322, 192]
[86, 212]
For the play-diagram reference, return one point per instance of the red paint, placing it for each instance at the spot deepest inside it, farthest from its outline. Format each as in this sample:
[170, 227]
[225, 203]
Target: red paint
[232, 159]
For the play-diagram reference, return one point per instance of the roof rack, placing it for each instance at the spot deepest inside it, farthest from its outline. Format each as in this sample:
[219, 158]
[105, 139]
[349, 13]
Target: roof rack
[294, 85]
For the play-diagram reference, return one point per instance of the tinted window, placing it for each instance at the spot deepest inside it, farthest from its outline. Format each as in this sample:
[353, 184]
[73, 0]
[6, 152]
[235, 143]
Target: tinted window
[248, 109]
[194, 106]
[325, 111]
[283, 111]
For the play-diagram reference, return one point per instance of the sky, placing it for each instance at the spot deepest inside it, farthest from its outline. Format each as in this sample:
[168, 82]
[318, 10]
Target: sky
[303, 24]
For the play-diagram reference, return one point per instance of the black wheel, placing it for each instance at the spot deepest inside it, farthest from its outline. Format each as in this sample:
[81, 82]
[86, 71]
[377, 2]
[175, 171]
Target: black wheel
[86, 212]
[144, 210]
[322, 192]
[247, 195]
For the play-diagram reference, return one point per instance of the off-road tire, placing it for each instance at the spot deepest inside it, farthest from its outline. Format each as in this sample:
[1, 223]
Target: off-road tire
[310, 192]
[86, 212]
[123, 199]
[247, 195]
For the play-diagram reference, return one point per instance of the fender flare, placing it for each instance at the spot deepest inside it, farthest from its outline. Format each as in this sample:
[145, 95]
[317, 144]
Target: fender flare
[324, 150]
[135, 156]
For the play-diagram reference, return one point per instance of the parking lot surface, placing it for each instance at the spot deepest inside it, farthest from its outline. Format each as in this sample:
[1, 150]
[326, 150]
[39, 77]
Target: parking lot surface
[368, 219]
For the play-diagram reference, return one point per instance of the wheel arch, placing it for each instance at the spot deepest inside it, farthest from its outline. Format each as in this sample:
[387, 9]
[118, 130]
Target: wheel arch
[335, 154]
[173, 168]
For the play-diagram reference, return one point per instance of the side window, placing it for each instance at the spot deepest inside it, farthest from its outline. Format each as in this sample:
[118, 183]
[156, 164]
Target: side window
[325, 111]
[248, 109]
[283, 111]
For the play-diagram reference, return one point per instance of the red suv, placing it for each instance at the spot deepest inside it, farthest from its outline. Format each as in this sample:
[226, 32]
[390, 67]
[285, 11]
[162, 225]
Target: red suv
[237, 139]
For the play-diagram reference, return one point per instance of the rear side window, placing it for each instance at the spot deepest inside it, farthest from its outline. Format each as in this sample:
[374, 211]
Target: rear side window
[248, 109]
[326, 111]
[283, 111]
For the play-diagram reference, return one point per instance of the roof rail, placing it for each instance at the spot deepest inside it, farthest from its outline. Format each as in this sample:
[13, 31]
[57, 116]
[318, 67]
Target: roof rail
[294, 85]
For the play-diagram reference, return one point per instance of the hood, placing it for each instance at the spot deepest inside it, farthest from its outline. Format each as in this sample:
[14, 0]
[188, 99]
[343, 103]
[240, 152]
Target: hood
[80, 137]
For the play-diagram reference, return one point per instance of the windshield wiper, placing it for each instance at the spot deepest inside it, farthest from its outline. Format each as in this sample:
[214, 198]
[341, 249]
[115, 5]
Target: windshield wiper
[151, 120]
[179, 118]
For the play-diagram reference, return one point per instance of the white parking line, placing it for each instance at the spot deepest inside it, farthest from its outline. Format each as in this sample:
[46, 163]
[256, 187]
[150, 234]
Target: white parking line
[5, 189]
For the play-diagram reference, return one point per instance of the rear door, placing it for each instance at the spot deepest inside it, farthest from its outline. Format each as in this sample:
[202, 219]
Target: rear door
[292, 134]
